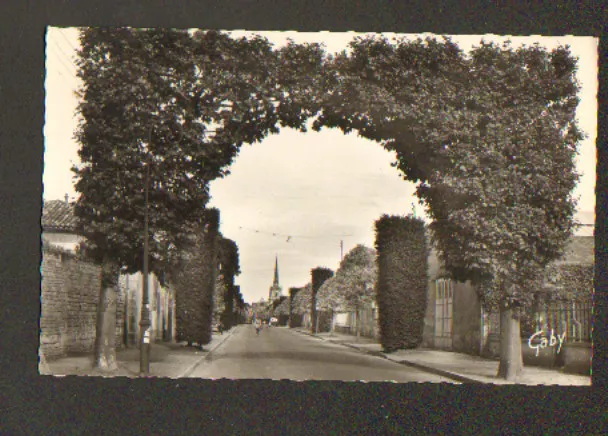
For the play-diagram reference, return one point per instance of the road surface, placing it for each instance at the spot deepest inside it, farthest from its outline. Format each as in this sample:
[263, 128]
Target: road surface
[280, 353]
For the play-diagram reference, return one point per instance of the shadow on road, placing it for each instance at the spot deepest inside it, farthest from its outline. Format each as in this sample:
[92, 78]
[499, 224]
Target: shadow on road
[341, 357]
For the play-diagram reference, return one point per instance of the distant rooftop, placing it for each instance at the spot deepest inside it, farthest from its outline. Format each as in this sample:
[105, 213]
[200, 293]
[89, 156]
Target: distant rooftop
[58, 215]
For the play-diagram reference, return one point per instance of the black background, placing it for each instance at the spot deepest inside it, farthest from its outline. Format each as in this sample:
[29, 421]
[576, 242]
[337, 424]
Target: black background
[33, 404]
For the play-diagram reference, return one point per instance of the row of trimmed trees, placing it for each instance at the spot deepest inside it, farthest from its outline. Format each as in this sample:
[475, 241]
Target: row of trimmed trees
[395, 276]
[202, 277]
[206, 294]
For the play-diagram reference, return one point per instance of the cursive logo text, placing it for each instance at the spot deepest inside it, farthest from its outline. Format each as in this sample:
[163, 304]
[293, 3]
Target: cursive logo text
[544, 342]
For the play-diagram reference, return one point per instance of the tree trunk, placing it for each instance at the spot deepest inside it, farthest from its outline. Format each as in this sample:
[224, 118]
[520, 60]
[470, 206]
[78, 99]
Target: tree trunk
[43, 366]
[511, 361]
[105, 338]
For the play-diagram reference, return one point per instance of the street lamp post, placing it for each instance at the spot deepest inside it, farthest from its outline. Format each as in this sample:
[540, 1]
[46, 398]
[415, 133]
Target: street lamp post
[144, 323]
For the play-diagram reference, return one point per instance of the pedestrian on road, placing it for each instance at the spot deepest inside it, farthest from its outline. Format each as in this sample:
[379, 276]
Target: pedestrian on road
[258, 326]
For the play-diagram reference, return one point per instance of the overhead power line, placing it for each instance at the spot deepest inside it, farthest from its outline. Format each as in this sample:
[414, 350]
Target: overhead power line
[60, 31]
[290, 237]
[66, 57]
[66, 69]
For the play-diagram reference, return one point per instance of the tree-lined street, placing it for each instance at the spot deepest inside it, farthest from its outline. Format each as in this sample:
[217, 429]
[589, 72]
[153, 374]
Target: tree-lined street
[489, 137]
[280, 353]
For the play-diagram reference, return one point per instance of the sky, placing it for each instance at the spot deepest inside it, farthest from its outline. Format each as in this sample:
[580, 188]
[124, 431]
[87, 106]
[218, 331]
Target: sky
[299, 196]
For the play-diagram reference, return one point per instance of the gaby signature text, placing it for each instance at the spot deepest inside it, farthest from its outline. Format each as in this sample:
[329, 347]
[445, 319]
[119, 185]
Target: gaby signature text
[545, 342]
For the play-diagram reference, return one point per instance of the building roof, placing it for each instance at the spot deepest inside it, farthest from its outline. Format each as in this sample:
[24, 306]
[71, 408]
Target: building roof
[58, 215]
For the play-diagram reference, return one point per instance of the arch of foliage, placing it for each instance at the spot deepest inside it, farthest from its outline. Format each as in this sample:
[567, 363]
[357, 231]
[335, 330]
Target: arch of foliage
[489, 136]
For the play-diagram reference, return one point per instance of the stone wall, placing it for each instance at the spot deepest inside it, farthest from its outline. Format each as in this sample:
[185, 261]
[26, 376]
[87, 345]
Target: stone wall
[69, 299]
[82, 282]
[54, 307]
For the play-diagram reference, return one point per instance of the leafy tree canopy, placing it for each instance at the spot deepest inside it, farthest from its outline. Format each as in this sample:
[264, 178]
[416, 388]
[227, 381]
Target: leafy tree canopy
[229, 257]
[503, 208]
[282, 308]
[302, 300]
[490, 137]
[353, 284]
[218, 297]
[331, 294]
[179, 104]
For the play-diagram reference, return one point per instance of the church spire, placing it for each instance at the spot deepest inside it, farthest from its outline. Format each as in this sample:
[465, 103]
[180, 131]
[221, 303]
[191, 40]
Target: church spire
[276, 271]
[275, 289]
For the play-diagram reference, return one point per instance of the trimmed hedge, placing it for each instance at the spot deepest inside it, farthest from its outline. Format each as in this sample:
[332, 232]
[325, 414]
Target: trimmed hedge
[319, 276]
[229, 260]
[281, 310]
[240, 306]
[295, 319]
[187, 297]
[227, 317]
[401, 288]
[324, 321]
[195, 284]
[210, 264]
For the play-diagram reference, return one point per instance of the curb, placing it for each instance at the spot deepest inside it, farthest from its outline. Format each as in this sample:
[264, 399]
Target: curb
[447, 374]
[124, 367]
[309, 334]
[426, 368]
[440, 372]
[205, 357]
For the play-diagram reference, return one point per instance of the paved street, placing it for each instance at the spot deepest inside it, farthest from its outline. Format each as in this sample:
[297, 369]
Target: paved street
[280, 353]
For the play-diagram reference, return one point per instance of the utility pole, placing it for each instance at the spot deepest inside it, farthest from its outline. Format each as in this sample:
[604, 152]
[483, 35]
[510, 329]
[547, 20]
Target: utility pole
[341, 250]
[144, 323]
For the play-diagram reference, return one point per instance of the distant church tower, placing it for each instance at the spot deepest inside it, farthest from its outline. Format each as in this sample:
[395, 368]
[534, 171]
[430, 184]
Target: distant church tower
[275, 289]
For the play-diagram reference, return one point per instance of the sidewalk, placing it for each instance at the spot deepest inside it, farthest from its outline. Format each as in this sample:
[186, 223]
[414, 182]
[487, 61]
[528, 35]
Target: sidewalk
[167, 359]
[457, 366]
